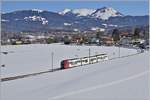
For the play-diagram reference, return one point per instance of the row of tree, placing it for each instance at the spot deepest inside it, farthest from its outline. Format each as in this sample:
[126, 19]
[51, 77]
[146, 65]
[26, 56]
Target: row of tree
[136, 34]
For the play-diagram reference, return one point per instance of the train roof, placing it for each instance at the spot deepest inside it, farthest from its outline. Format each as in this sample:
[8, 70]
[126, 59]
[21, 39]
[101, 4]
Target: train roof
[87, 56]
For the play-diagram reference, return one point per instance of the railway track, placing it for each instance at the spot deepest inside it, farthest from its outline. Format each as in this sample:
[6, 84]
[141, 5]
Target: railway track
[28, 75]
[54, 70]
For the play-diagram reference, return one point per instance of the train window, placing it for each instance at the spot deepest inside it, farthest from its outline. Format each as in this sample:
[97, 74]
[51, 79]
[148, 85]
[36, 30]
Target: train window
[85, 60]
[92, 59]
[75, 62]
[72, 63]
[78, 61]
[62, 64]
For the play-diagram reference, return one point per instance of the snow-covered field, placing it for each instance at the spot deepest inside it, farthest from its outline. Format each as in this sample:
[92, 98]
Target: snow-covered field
[26, 59]
[118, 79]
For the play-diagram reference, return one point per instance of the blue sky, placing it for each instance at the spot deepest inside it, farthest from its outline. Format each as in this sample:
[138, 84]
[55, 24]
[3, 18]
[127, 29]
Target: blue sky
[125, 7]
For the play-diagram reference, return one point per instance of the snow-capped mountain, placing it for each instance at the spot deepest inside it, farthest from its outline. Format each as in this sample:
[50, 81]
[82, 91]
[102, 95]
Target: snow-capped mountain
[77, 19]
[105, 13]
[78, 12]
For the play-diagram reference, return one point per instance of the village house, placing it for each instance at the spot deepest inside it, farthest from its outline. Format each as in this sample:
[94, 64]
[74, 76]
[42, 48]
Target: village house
[107, 40]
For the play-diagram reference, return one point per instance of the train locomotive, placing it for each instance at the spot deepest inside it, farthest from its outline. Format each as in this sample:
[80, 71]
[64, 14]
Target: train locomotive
[69, 63]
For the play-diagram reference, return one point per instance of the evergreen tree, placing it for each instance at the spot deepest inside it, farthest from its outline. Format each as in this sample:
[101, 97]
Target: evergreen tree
[99, 34]
[136, 34]
[145, 35]
[67, 40]
[116, 35]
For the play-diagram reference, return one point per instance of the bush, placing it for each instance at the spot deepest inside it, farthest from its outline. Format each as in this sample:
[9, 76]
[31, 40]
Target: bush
[49, 40]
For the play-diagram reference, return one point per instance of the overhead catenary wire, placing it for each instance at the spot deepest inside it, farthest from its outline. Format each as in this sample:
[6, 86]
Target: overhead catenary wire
[56, 69]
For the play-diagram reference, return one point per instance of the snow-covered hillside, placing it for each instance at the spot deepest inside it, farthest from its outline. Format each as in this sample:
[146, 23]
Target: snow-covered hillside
[37, 18]
[124, 79]
[26, 59]
[78, 12]
[38, 10]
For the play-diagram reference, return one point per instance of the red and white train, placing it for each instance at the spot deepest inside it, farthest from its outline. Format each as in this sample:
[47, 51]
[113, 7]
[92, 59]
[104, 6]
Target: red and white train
[68, 63]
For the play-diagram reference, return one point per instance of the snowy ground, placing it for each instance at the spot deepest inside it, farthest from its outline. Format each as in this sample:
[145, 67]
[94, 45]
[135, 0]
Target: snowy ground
[119, 79]
[26, 59]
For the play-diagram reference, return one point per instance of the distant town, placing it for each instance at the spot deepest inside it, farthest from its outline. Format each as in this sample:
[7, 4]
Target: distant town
[136, 36]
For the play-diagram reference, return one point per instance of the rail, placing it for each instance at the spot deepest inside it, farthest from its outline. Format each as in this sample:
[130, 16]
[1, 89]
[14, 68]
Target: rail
[56, 69]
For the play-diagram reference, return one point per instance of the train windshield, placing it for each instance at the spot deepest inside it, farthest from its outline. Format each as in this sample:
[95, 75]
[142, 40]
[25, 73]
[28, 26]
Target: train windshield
[62, 64]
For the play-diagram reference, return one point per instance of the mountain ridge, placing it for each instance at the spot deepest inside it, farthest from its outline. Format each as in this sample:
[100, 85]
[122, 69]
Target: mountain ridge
[103, 13]
[42, 20]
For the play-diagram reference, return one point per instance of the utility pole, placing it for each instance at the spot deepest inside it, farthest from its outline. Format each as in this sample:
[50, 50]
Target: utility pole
[52, 57]
[96, 53]
[119, 51]
[89, 54]
[119, 48]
